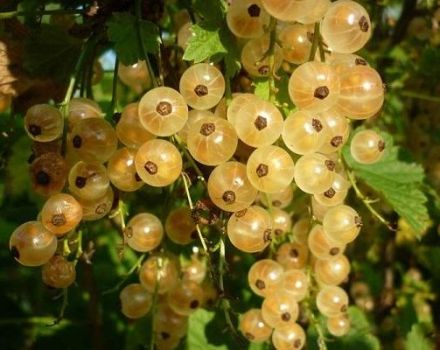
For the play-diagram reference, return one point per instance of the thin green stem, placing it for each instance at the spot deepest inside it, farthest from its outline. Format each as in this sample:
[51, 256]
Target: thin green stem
[419, 96]
[135, 267]
[190, 159]
[191, 205]
[138, 6]
[321, 337]
[225, 303]
[79, 249]
[367, 201]
[154, 303]
[315, 43]
[64, 304]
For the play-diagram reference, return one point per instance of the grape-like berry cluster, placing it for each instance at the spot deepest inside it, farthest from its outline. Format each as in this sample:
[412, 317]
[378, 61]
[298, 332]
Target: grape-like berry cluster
[254, 156]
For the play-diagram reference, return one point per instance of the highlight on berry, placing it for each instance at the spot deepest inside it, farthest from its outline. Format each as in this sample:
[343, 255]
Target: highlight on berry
[222, 174]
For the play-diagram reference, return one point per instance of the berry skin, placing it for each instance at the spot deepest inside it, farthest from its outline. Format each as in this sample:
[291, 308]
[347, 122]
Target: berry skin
[82, 108]
[314, 86]
[158, 163]
[185, 298]
[367, 147]
[144, 232]
[332, 301]
[332, 271]
[163, 111]
[32, 245]
[97, 208]
[202, 86]
[304, 132]
[122, 172]
[194, 116]
[292, 255]
[361, 93]
[58, 272]
[48, 174]
[159, 269]
[295, 283]
[61, 213]
[321, 246]
[237, 103]
[229, 187]
[279, 200]
[180, 227]
[135, 76]
[335, 194]
[247, 18]
[342, 224]
[135, 301]
[314, 173]
[338, 325]
[279, 309]
[250, 230]
[194, 270]
[265, 276]
[212, 141]
[254, 60]
[281, 222]
[296, 43]
[129, 128]
[289, 337]
[88, 181]
[338, 131]
[93, 140]
[168, 323]
[346, 26]
[288, 10]
[253, 327]
[270, 169]
[260, 123]
[43, 123]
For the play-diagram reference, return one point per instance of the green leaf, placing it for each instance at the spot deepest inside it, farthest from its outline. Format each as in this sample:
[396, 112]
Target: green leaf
[17, 172]
[196, 339]
[399, 182]
[122, 31]
[205, 42]
[360, 336]
[51, 52]
[416, 339]
[262, 88]
[212, 10]
[212, 39]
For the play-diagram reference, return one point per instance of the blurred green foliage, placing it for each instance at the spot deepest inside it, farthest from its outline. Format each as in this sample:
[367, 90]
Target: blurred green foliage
[397, 273]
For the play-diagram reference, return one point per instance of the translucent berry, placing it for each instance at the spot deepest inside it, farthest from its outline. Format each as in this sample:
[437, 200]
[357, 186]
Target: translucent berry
[295, 283]
[163, 111]
[332, 301]
[367, 147]
[265, 276]
[88, 181]
[332, 271]
[180, 226]
[32, 245]
[270, 169]
[161, 269]
[247, 18]
[314, 86]
[314, 173]
[292, 255]
[279, 309]
[129, 128]
[321, 246]
[158, 163]
[253, 327]
[229, 187]
[202, 86]
[186, 297]
[212, 141]
[342, 224]
[61, 213]
[43, 123]
[250, 230]
[144, 232]
[58, 272]
[135, 301]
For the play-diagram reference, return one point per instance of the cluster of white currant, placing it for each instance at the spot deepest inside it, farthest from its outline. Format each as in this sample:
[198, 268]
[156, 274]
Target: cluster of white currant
[250, 146]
